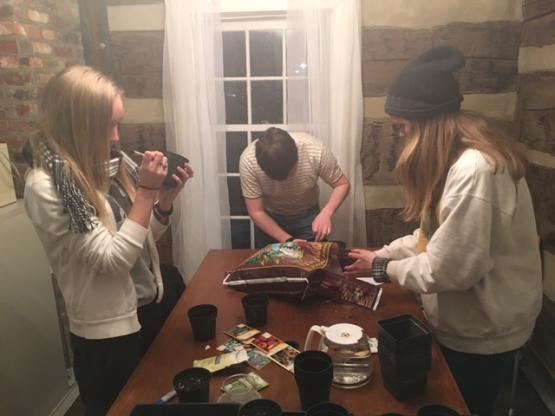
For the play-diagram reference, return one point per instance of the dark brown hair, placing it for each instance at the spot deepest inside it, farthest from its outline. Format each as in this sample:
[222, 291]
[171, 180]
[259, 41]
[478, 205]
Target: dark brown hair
[276, 153]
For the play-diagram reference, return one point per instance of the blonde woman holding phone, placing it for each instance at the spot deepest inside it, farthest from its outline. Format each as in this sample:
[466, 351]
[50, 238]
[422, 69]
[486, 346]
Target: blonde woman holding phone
[66, 199]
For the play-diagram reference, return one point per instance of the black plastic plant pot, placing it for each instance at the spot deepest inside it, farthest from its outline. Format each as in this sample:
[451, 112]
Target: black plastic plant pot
[192, 385]
[260, 407]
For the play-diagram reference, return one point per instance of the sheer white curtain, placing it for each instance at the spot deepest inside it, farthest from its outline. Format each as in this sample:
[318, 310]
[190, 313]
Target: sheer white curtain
[324, 94]
[195, 112]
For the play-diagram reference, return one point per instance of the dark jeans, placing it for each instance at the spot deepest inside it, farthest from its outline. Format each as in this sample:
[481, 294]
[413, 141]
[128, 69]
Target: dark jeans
[479, 377]
[298, 226]
[102, 367]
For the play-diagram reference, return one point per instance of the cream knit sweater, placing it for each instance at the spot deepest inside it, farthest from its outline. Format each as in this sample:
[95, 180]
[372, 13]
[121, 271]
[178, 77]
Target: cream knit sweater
[480, 276]
[92, 269]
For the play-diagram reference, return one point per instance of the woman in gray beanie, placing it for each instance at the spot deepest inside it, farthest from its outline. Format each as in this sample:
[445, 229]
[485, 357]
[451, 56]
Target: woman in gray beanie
[475, 257]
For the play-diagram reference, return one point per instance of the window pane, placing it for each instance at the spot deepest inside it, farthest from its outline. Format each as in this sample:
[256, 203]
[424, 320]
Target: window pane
[240, 234]
[267, 102]
[236, 202]
[266, 53]
[235, 143]
[234, 54]
[235, 102]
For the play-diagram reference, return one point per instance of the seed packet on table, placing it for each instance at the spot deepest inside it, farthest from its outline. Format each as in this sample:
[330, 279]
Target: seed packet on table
[258, 382]
[285, 357]
[231, 345]
[220, 362]
[258, 359]
[251, 379]
[351, 290]
[242, 332]
[268, 343]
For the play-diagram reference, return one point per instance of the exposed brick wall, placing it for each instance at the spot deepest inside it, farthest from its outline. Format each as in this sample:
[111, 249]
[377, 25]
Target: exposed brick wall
[37, 39]
[491, 50]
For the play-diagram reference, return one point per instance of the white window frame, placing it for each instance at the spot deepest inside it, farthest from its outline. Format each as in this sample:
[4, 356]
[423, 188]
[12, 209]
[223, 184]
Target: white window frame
[247, 25]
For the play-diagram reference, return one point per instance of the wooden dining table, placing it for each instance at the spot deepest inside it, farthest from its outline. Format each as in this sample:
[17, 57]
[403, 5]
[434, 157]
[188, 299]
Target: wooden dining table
[174, 348]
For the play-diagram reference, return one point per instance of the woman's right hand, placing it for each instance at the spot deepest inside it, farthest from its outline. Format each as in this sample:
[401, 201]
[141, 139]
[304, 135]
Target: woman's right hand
[363, 264]
[153, 170]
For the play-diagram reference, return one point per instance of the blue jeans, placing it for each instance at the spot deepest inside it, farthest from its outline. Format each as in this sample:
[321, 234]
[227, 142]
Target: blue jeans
[299, 226]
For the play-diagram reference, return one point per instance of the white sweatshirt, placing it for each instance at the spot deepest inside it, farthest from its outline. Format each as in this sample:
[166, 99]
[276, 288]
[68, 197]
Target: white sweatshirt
[480, 276]
[92, 269]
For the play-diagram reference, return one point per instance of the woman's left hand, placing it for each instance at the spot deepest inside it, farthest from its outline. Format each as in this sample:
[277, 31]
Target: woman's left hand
[168, 195]
[363, 264]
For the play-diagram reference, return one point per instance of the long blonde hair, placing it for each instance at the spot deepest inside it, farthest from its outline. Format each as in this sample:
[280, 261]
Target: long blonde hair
[75, 114]
[434, 145]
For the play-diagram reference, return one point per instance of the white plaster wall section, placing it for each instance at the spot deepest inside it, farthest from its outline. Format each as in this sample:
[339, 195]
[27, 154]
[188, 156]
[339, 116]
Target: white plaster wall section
[384, 196]
[143, 111]
[429, 13]
[142, 17]
[542, 159]
[531, 58]
[501, 105]
[136, 17]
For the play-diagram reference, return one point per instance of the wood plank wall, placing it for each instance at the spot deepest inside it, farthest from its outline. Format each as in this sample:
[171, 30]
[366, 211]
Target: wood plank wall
[488, 33]
[536, 121]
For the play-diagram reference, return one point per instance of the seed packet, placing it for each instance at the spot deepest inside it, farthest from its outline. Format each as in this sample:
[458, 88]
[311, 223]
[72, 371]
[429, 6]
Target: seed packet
[285, 357]
[231, 345]
[222, 361]
[242, 332]
[258, 359]
[250, 380]
[268, 343]
[258, 382]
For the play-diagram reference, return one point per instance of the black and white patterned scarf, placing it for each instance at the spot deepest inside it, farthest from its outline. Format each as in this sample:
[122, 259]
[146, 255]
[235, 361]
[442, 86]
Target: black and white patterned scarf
[117, 197]
[82, 214]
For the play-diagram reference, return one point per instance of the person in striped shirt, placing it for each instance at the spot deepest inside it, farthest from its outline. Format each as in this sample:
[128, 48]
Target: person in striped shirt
[279, 181]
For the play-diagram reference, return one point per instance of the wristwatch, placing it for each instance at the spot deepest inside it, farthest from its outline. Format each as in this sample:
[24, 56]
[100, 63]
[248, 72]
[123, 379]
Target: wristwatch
[379, 270]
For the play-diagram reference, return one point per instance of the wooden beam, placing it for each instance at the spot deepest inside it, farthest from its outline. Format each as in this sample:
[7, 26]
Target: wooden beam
[96, 35]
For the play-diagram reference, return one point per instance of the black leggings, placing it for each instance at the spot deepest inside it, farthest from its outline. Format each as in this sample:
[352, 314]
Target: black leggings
[102, 367]
[479, 377]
